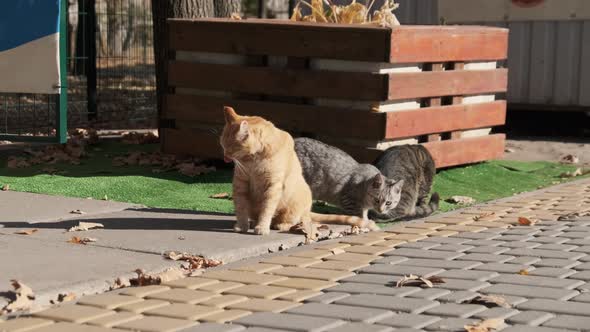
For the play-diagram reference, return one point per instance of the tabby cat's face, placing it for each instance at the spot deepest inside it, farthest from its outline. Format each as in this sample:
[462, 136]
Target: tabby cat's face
[386, 194]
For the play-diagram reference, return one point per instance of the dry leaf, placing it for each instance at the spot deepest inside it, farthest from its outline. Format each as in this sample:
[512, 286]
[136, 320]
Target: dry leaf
[489, 301]
[6, 187]
[523, 272]
[120, 283]
[235, 16]
[309, 229]
[27, 231]
[463, 200]
[338, 251]
[483, 216]
[84, 226]
[77, 212]
[573, 216]
[509, 150]
[523, 221]
[418, 281]
[83, 240]
[144, 279]
[194, 262]
[19, 299]
[569, 159]
[140, 138]
[220, 196]
[64, 298]
[485, 325]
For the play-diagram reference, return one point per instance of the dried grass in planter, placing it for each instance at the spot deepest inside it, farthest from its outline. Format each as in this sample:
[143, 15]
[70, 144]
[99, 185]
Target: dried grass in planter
[325, 11]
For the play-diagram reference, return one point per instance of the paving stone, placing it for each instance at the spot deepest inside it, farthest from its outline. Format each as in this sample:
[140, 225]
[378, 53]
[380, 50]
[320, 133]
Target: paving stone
[518, 244]
[584, 275]
[400, 270]
[419, 245]
[584, 297]
[551, 272]
[299, 296]
[409, 320]
[502, 268]
[529, 291]
[70, 327]
[456, 310]
[486, 243]
[332, 246]
[309, 273]
[407, 305]
[290, 322]
[561, 247]
[345, 312]
[404, 237]
[315, 254]
[502, 313]
[389, 244]
[362, 240]
[530, 280]
[522, 328]
[477, 236]
[487, 250]
[444, 233]
[264, 305]
[390, 260]
[221, 287]
[291, 261]
[446, 240]
[354, 257]
[463, 285]
[356, 327]
[183, 311]
[157, 324]
[429, 293]
[547, 239]
[117, 318]
[553, 262]
[261, 291]
[108, 301]
[73, 313]
[257, 268]
[453, 247]
[243, 277]
[408, 230]
[451, 324]
[225, 316]
[524, 260]
[224, 300]
[532, 318]
[524, 230]
[434, 263]
[486, 258]
[328, 297]
[569, 322]
[23, 324]
[465, 228]
[144, 291]
[467, 274]
[144, 305]
[304, 283]
[365, 278]
[214, 327]
[458, 296]
[578, 242]
[576, 235]
[359, 288]
[182, 295]
[585, 266]
[367, 250]
[451, 220]
[418, 253]
[190, 282]
[425, 225]
[339, 265]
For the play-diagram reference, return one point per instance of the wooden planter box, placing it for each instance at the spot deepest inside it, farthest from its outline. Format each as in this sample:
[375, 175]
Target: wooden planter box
[362, 88]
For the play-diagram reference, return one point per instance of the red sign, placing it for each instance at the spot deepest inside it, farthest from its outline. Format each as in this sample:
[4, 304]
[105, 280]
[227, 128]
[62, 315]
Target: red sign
[527, 3]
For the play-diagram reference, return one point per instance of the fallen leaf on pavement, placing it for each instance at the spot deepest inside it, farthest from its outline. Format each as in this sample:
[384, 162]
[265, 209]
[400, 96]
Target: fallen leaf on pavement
[485, 325]
[77, 212]
[194, 262]
[489, 301]
[309, 229]
[523, 272]
[84, 226]
[140, 138]
[119, 283]
[144, 279]
[483, 216]
[220, 196]
[573, 216]
[6, 187]
[81, 240]
[569, 159]
[27, 231]
[414, 280]
[463, 200]
[338, 251]
[64, 298]
[509, 150]
[523, 221]
[19, 299]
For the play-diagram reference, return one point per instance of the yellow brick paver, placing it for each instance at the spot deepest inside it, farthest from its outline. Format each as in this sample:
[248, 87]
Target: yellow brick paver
[261, 291]
[221, 286]
[408, 230]
[264, 305]
[315, 254]
[224, 300]
[23, 324]
[303, 283]
[243, 277]
[299, 272]
[184, 311]
[117, 318]
[144, 305]
[257, 268]
[183, 295]
[465, 228]
[405, 237]
[332, 246]
[157, 324]
[368, 250]
[144, 291]
[73, 313]
[396, 242]
[190, 282]
[362, 240]
[354, 257]
[300, 295]
[340, 265]
[108, 301]
[430, 225]
[291, 261]
[443, 232]
[71, 327]
[225, 316]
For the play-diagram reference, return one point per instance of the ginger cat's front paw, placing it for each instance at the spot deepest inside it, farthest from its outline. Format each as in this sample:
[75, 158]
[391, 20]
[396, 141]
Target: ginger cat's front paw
[241, 228]
[261, 230]
[370, 224]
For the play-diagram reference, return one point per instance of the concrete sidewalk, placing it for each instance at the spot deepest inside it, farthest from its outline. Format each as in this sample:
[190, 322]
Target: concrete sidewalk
[133, 237]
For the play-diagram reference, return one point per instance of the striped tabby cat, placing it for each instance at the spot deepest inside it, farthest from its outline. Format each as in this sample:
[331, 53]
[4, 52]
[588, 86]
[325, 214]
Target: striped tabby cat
[414, 165]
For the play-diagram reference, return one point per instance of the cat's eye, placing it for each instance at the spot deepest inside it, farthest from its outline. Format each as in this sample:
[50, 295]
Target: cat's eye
[388, 203]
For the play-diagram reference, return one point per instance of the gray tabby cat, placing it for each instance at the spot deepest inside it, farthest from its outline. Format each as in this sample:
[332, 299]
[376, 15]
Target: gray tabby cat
[336, 178]
[414, 165]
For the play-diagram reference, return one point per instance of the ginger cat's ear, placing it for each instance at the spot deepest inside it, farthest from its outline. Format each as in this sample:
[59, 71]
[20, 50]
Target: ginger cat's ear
[244, 131]
[230, 114]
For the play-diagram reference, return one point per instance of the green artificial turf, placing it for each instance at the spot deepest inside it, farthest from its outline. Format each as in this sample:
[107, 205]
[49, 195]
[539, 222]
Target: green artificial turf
[97, 178]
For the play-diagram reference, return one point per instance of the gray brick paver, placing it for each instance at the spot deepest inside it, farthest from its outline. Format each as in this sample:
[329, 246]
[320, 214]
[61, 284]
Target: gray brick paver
[439, 263]
[429, 293]
[468, 275]
[525, 260]
[477, 236]
[487, 250]
[530, 291]
[463, 285]
[289, 322]
[486, 258]
[362, 327]
[359, 288]
[484, 243]
[584, 297]
[451, 324]
[556, 307]
[496, 313]
[584, 266]
[445, 240]
[575, 235]
[559, 247]
[518, 244]
[400, 270]
[405, 304]
[544, 253]
[583, 275]
[345, 312]
[409, 321]
[556, 262]
[569, 322]
[529, 280]
[328, 297]
[551, 272]
[458, 296]
[532, 318]
[456, 310]
[214, 327]
[453, 247]
[502, 267]
[548, 239]
[419, 245]
[419, 253]
[524, 328]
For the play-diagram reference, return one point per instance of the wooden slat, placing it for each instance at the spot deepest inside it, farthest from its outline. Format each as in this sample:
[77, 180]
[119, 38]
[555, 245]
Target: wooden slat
[411, 44]
[466, 150]
[280, 37]
[320, 120]
[280, 82]
[446, 83]
[197, 143]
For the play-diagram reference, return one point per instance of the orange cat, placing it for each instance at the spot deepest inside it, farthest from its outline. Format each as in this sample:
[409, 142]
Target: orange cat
[268, 183]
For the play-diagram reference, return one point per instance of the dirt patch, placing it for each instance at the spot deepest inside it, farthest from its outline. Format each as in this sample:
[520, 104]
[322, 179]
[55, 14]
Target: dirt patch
[548, 149]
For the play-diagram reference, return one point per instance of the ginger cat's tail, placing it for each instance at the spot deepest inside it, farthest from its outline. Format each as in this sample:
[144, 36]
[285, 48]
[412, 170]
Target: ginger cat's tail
[337, 219]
